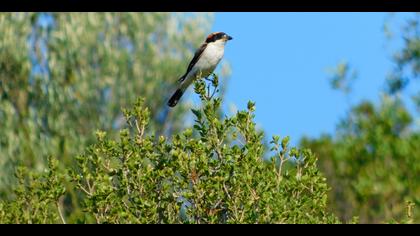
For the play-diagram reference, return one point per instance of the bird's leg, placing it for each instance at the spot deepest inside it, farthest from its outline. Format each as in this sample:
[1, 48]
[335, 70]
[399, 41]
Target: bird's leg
[208, 86]
[208, 91]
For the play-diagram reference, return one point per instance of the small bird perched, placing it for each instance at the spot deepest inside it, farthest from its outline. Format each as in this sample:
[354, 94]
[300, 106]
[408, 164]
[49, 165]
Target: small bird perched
[203, 63]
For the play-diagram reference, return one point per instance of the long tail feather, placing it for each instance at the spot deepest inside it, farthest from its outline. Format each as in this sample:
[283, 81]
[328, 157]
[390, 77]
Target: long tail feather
[175, 98]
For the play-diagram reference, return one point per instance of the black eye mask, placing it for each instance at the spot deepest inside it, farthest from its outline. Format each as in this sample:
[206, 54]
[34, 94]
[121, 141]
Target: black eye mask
[215, 37]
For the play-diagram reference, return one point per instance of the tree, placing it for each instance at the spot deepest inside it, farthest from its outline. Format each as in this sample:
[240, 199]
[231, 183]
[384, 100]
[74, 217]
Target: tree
[64, 75]
[371, 161]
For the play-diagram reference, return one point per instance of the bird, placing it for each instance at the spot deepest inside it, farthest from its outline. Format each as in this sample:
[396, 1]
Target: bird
[205, 60]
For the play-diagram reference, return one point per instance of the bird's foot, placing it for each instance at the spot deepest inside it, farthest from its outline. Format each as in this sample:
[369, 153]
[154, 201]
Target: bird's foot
[207, 78]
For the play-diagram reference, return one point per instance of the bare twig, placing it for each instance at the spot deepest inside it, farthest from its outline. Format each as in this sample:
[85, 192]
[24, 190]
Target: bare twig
[140, 130]
[60, 213]
[89, 186]
[214, 92]
[282, 161]
[226, 191]
[85, 190]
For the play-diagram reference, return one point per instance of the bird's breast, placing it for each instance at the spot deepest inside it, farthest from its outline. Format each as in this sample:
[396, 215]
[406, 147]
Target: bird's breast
[213, 54]
[209, 60]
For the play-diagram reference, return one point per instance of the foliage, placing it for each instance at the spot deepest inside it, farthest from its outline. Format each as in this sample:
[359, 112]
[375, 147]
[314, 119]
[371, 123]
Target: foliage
[64, 75]
[371, 161]
[407, 59]
[38, 197]
[342, 78]
[213, 172]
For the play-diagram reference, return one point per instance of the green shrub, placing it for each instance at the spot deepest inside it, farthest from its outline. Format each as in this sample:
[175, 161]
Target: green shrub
[214, 172]
[37, 198]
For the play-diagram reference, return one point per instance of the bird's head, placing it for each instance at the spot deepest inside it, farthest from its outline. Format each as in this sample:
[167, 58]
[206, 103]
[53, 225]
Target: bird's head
[218, 37]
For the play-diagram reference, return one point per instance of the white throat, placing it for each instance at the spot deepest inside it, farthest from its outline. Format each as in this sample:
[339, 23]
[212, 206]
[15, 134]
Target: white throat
[215, 50]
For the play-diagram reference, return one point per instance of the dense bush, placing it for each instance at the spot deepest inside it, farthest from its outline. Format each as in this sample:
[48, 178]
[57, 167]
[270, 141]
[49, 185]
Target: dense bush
[213, 172]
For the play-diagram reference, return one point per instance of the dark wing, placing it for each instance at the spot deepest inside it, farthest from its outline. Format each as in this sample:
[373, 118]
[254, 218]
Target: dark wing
[197, 56]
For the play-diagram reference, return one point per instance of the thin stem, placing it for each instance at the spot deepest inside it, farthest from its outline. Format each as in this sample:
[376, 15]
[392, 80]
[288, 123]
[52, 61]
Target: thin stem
[226, 191]
[208, 92]
[89, 187]
[282, 161]
[279, 173]
[60, 213]
[85, 190]
[214, 93]
[139, 130]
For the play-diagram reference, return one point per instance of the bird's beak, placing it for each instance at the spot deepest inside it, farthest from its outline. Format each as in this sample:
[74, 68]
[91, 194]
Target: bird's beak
[228, 37]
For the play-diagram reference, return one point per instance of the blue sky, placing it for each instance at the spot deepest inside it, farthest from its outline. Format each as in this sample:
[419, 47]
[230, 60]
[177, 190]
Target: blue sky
[281, 61]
